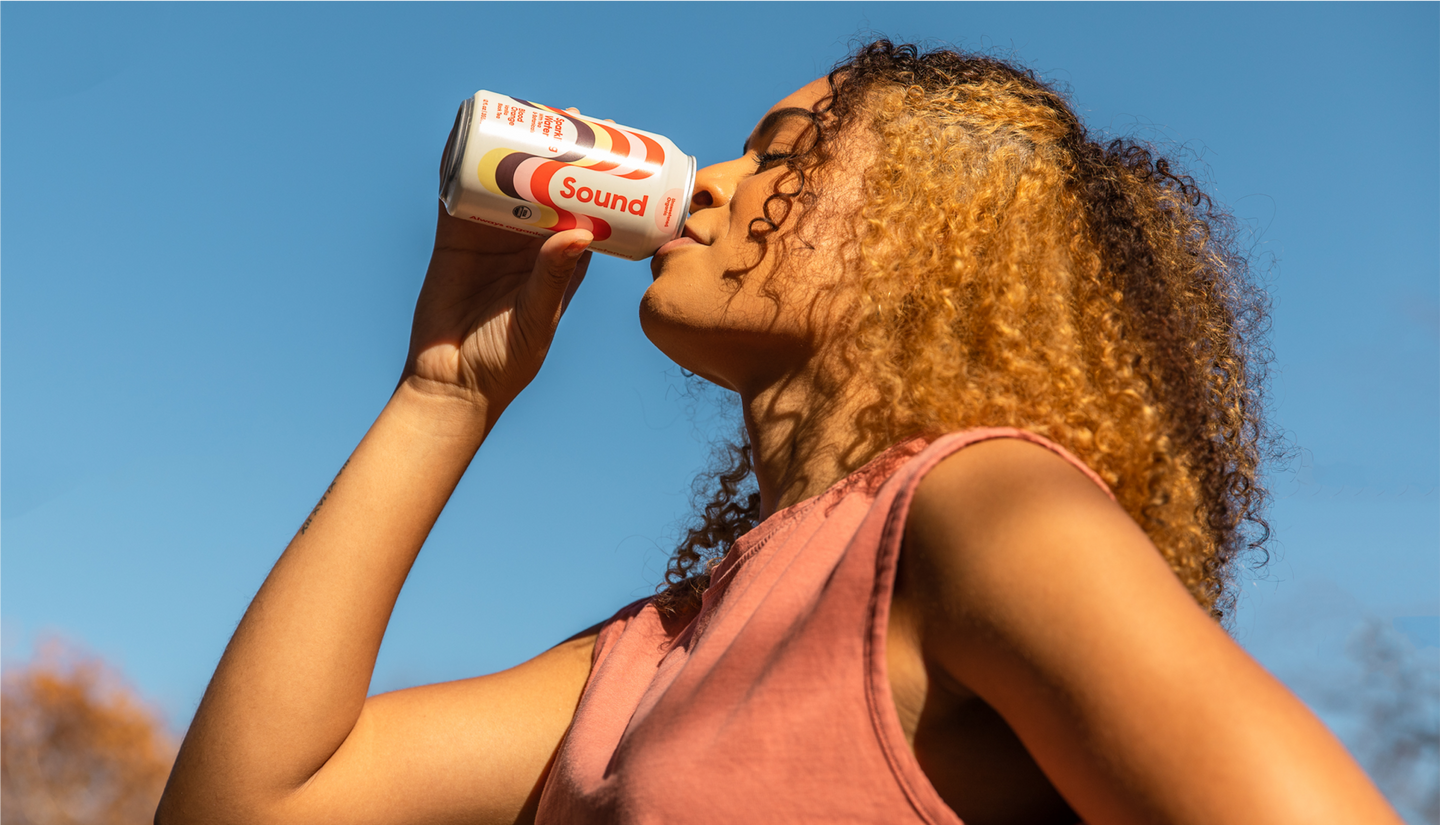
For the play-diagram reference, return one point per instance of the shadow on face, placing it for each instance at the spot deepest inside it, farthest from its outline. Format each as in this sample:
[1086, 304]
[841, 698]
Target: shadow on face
[760, 292]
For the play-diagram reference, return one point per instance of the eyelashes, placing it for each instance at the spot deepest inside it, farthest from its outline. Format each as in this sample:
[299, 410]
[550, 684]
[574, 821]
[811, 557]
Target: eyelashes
[764, 160]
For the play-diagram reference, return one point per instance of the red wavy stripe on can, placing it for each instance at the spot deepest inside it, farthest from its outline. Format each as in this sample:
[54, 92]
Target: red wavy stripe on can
[654, 159]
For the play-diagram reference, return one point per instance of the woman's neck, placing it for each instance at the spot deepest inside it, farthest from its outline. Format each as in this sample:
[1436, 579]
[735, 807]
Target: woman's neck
[804, 437]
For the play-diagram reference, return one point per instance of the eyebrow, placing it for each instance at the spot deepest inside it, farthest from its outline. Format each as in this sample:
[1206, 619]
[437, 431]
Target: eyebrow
[770, 122]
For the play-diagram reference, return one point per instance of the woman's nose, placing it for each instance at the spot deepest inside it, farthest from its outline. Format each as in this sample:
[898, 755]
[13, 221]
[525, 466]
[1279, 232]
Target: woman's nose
[714, 185]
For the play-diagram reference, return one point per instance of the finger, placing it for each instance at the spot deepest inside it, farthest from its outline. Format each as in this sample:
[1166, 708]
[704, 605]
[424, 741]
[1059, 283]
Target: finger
[549, 284]
[574, 111]
[581, 267]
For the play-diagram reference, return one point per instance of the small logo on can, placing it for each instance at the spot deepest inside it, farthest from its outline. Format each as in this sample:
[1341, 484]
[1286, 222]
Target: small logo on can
[522, 212]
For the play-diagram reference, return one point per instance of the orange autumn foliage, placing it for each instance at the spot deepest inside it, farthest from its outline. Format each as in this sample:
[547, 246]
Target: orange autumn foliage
[78, 746]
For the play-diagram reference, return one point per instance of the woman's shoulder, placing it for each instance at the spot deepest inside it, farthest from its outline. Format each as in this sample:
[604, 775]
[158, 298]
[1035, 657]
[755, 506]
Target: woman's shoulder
[996, 456]
[1006, 522]
[984, 491]
[1029, 586]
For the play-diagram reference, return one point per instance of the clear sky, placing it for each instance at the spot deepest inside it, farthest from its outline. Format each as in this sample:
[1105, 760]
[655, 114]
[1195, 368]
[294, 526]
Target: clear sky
[216, 218]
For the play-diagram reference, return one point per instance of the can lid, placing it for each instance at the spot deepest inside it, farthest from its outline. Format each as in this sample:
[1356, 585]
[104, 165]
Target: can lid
[688, 197]
[450, 162]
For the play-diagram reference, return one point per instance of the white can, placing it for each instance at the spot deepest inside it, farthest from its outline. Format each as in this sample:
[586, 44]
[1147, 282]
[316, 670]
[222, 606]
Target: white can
[536, 170]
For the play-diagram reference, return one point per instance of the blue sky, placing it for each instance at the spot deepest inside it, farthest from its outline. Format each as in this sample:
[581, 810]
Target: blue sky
[216, 218]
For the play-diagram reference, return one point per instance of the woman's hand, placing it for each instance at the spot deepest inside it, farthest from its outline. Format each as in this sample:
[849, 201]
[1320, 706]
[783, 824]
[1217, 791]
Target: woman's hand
[488, 310]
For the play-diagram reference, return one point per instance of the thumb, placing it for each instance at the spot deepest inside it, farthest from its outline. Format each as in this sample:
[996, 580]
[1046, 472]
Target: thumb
[555, 266]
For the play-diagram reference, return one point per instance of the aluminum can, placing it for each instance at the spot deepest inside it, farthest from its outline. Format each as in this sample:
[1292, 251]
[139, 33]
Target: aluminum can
[533, 169]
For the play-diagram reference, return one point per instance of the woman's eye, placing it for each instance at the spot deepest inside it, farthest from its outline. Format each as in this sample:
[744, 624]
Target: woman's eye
[765, 160]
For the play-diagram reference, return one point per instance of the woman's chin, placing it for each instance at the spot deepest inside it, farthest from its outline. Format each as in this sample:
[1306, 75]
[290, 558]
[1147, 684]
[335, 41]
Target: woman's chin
[676, 335]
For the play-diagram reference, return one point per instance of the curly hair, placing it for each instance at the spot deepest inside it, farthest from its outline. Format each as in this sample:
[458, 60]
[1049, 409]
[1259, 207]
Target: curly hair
[1012, 270]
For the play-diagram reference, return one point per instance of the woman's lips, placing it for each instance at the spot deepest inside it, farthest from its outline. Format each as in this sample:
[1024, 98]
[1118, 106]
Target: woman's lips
[676, 244]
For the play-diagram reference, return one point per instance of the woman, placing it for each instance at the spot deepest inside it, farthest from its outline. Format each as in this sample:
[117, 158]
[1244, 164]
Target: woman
[1003, 423]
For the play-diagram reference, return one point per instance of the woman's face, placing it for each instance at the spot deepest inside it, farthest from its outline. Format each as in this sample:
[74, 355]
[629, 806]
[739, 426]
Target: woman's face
[733, 311]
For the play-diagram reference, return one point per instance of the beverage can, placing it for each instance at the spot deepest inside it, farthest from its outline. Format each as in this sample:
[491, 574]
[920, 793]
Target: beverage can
[533, 169]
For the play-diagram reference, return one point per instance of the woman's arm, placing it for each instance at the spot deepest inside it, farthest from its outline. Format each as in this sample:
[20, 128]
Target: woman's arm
[1039, 593]
[285, 732]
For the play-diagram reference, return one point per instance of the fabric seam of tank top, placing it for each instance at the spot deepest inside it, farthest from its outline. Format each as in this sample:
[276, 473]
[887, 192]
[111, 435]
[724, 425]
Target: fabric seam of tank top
[728, 564]
[877, 676]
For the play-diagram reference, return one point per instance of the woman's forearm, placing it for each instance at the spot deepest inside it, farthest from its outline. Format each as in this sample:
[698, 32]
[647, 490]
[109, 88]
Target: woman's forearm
[293, 680]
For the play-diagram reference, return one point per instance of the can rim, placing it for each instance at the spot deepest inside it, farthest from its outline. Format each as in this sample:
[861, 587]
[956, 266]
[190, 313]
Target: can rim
[451, 161]
[689, 197]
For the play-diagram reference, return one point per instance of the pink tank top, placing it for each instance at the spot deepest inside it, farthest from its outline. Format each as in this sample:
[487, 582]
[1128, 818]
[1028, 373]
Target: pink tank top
[772, 703]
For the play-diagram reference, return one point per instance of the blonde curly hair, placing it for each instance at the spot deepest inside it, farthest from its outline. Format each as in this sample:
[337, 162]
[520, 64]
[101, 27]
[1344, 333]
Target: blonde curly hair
[1012, 271]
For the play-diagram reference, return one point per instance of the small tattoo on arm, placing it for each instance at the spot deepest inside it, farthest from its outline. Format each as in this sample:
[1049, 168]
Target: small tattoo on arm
[321, 502]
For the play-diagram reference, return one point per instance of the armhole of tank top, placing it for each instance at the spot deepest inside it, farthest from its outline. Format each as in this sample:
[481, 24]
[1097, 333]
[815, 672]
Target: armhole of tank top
[610, 629]
[886, 723]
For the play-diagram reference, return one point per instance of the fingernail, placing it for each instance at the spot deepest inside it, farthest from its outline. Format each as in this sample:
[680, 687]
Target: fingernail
[574, 249]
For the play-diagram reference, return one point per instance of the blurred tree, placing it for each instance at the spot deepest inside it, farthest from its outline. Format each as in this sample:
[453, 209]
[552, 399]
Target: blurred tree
[1388, 704]
[78, 746]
